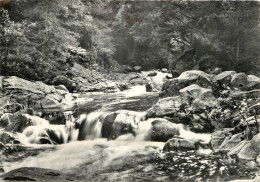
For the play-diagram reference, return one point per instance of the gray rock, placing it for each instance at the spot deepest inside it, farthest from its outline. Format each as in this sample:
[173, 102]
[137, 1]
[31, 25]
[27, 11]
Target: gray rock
[36, 174]
[164, 107]
[163, 130]
[194, 91]
[148, 87]
[243, 151]
[31, 94]
[196, 76]
[172, 87]
[176, 144]
[5, 119]
[223, 79]
[239, 81]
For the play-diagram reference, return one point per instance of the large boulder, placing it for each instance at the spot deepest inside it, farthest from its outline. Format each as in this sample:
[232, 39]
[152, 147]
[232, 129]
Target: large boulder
[171, 87]
[164, 107]
[18, 123]
[126, 122]
[162, 130]
[30, 94]
[107, 125]
[243, 151]
[176, 144]
[194, 91]
[196, 76]
[239, 81]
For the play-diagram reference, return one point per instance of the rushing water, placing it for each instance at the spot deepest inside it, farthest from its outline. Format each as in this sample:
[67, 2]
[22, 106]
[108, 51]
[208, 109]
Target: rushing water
[128, 158]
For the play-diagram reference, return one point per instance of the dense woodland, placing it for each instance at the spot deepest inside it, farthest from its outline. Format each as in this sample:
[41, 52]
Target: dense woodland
[42, 39]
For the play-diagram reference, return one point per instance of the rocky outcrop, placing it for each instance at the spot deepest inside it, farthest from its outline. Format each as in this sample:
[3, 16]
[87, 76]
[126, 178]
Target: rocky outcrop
[20, 93]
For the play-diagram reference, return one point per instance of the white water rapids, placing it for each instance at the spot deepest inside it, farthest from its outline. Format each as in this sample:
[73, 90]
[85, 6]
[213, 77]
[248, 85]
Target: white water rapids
[95, 151]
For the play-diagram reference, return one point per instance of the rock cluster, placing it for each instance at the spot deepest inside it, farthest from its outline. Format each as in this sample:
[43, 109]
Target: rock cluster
[227, 103]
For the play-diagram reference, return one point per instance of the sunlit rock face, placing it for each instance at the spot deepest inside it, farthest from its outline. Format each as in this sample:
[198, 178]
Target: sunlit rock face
[172, 87]
[165, 106]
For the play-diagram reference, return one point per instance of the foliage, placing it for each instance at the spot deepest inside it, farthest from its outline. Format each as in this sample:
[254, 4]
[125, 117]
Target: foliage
[37, 36]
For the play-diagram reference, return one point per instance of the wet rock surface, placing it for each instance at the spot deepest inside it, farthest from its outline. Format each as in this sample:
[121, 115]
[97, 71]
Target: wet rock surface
[36, 174]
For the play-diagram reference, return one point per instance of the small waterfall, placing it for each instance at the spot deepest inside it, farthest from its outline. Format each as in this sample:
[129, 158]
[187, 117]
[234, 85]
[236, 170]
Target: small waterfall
[42, 132]
[144, 130]
[91, 125]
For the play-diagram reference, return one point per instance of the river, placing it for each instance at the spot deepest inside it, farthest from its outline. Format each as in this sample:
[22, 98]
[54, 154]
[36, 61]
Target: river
[128, 158]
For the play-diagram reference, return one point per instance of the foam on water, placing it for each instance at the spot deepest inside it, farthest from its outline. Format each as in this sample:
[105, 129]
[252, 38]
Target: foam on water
[37, 121]
[97, 153]
[33, 134]
[134, 91]
[187, 134]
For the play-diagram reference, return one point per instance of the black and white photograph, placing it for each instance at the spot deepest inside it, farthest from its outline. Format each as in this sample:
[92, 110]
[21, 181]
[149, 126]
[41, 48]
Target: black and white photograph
[130, 90]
